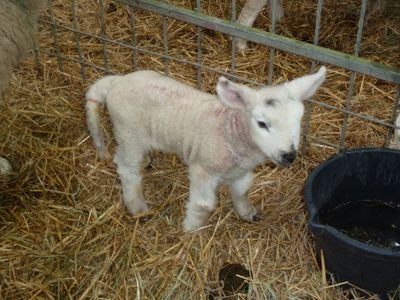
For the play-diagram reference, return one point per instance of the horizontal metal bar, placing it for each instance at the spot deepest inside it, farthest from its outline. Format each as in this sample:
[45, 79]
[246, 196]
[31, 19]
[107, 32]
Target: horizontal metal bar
[314, 52]
[351, 113]
[81, 62]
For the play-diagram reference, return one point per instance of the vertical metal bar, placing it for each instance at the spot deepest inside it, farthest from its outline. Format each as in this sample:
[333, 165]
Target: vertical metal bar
[36, 58]
[360, 27]
[55, 38]
[307, 113]
[272, 3]
[346, 116]
[199, 49]
[396, 112]
[134, 39]
[233, 47]
[77, 36]
[103, 35]
[353, 74]
[165, 43]
[317, 28]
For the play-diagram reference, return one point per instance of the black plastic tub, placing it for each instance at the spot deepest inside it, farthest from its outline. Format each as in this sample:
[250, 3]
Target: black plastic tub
[345, 178]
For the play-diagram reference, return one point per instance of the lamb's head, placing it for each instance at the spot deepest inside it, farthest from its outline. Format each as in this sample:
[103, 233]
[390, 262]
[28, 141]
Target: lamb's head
[273, 113]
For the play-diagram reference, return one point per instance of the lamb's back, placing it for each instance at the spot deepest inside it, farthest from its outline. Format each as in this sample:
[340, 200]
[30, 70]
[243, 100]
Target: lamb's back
[167, 115]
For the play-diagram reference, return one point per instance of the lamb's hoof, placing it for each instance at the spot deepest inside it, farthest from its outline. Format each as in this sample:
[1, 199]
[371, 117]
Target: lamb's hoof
[144, 219]
[256, 218]
[251, 215]
[5, 166]
[139, 211]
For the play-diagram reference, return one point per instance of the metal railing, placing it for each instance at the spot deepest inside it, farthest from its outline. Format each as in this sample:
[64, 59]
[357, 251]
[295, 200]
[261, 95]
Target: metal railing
[314, 52]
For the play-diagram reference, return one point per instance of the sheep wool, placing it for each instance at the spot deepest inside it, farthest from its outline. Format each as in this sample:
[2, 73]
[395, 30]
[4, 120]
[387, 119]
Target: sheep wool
[18, 23]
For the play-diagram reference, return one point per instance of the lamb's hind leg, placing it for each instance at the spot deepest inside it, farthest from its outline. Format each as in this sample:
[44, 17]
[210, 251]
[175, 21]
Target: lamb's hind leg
[247, 17]
[128, 167]
[241, 203]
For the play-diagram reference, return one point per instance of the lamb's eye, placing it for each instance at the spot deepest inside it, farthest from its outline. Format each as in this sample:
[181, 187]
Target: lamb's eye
[263, 125]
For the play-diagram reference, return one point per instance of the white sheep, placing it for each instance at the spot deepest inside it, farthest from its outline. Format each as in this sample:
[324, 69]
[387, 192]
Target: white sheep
[17, 30]
[18, 26]
[252, 8]
[221, 138]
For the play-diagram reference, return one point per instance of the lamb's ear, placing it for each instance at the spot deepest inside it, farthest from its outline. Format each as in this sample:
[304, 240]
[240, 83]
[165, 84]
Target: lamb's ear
[306, 86]
[232, 94]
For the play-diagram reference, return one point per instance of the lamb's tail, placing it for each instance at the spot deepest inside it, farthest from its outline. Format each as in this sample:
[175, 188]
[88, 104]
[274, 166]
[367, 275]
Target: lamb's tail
[97, 94]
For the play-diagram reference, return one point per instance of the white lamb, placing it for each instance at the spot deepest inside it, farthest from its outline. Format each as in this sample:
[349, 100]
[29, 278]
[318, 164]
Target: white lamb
[221, 138]
[252, 8]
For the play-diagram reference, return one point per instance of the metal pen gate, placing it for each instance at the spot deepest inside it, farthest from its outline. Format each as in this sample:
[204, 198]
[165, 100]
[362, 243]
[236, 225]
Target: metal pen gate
[313, 52]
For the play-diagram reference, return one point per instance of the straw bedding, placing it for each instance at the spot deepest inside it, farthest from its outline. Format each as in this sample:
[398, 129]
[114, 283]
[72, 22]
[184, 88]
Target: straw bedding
[64, 231]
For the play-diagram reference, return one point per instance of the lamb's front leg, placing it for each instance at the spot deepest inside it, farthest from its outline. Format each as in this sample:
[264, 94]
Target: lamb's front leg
[202, 200]
[241, 203]
[128, 168]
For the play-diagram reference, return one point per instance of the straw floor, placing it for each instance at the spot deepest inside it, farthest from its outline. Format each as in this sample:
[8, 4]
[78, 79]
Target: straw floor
[64, 233]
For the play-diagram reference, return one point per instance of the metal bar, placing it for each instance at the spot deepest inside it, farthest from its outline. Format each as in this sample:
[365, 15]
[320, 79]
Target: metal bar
[317, 29]
[272, 51]
[313, 52]
[351, 113]
[74, 24]
[55, 38]
[308, 108]
[357, 46]
[233, 43]
[353, 74]
[343, 130]
[199, 50]
[103, 34]
[36, 58]
[134, 40]
[271, 65]
[165, 43]
[87, 64]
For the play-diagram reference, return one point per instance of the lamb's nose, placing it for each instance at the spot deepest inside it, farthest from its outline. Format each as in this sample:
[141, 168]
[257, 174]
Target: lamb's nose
[289, 157]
